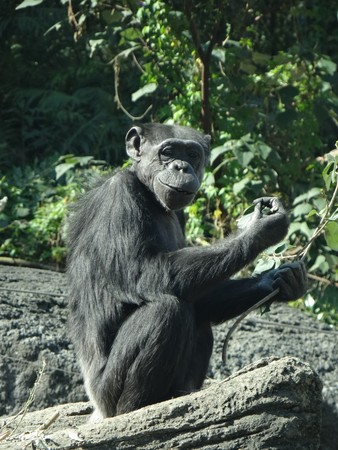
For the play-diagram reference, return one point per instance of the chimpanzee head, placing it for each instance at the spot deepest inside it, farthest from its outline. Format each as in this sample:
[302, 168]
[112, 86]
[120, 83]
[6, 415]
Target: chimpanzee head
[169, 160]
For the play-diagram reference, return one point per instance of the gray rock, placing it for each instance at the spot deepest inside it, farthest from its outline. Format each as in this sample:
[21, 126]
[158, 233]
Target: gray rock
[33, 329]
[272, 404]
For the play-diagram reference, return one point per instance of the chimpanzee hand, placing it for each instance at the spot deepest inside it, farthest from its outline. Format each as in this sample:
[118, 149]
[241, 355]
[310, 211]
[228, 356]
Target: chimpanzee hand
[271, 227]
[291, 279]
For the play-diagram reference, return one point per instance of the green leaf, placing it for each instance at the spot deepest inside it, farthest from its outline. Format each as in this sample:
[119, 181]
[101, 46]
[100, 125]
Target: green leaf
[147, 89]
[261, 58]
[209, 179]
[61, 169]
[27, 3]
[331, 235]
[82, 160]
[240, 185]
[320, 205]
[131, 34]
[300, 227]
[327, 174]
[320, 264]
[313, 212]
[314, 192]
[263, 265]
[217, 151]
[244, 157]
[219, 53]
[302, 209]
[21, 212]
[110, 16]
[263, 149]
[282, 247]
[327, 65]
[247, 67]
[128, 51]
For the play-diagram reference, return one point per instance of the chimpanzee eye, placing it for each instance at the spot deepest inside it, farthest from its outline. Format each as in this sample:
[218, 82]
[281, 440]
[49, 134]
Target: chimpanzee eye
[167, 151]
[193, 154]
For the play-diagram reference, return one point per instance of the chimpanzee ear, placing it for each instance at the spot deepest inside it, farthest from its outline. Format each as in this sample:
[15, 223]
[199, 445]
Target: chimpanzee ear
[133, 143]
[207, 139]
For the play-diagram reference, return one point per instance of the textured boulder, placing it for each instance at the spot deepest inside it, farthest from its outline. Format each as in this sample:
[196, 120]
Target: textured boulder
[270, 404]
[33, 329]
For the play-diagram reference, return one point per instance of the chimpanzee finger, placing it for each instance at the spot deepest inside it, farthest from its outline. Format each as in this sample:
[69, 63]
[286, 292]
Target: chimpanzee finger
[291, 279]
[257, 213]
[273, 203]
[266, 202]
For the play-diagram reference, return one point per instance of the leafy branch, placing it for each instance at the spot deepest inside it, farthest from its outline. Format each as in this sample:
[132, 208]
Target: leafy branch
[328, 215]
[330, 176]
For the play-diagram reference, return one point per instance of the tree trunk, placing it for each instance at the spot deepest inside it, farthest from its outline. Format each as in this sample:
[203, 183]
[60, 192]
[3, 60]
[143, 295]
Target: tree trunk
[271, 404]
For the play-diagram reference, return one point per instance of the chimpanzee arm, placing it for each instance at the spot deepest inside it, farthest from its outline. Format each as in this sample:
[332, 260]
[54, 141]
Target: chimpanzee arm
[231, 298]
[193, 269]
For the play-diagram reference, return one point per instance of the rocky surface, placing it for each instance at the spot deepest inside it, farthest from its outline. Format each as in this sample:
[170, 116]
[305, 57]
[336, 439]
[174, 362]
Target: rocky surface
[272, 404]
[33, 329]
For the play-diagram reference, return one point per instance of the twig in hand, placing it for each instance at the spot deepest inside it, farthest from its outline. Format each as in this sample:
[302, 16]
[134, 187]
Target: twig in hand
[241, 317]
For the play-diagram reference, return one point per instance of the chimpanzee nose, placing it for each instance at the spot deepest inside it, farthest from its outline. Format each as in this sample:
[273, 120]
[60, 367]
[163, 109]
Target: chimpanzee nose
[180, 166]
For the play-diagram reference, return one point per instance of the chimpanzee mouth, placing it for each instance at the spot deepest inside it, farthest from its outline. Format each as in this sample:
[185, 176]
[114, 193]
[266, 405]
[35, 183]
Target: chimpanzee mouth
[178, 189]
[181, 191]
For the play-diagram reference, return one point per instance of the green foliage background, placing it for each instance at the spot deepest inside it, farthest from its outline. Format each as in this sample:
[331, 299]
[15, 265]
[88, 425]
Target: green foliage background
[260, 77]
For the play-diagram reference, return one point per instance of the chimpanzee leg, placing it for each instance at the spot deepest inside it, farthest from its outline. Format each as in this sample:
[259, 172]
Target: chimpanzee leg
[152, 348]
[202, 352]
[192, 379]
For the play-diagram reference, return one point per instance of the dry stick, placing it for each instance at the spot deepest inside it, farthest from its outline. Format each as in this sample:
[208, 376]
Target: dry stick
[49, 422]
[322, 280]
[241, 317]
[28, 291]
[29, 401]
[303, 253]
[117, 96]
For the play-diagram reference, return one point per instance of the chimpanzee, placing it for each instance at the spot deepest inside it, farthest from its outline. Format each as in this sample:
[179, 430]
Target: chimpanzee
[141, 301]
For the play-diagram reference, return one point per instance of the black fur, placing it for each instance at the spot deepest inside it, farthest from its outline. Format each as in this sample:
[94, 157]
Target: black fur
[141, 302]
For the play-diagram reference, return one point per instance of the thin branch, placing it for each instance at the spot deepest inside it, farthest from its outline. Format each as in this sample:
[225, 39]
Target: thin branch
[26, 291]
[49, 422]
[138, 65]
[241, 317]
[117, 97]
[322, 224]
[29, 401]
[322, 280]
[73, 21]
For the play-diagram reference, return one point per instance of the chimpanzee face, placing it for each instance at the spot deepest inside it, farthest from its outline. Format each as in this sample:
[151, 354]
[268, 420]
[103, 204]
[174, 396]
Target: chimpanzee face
[170, 161]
